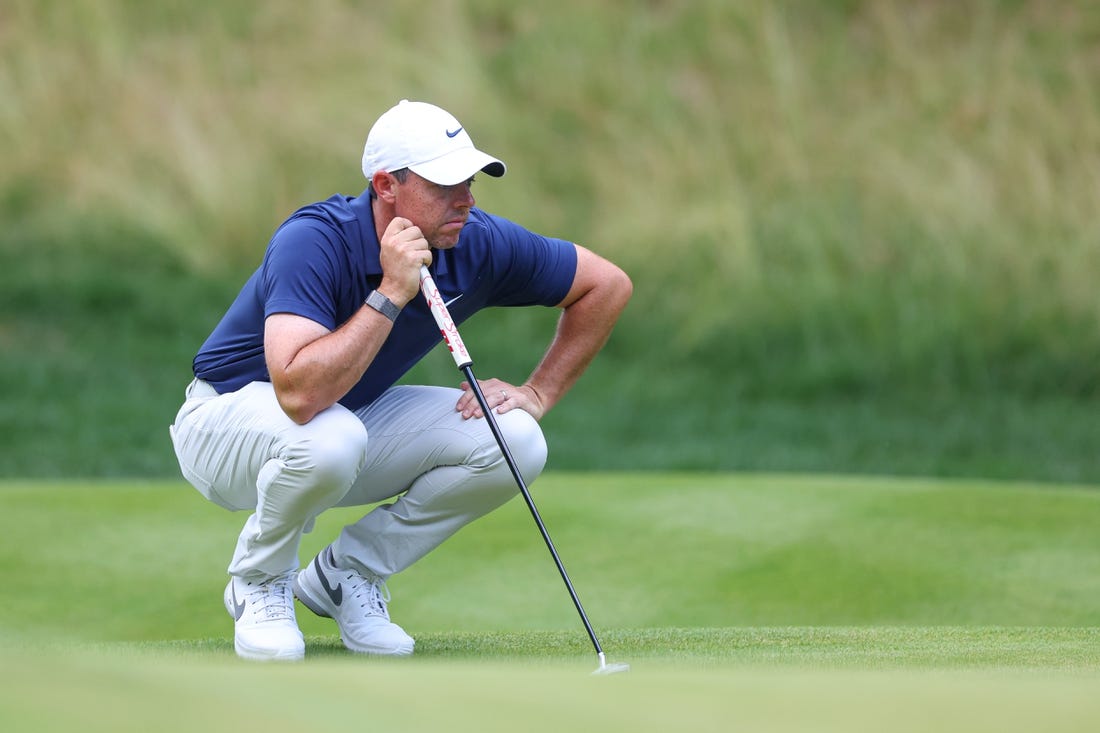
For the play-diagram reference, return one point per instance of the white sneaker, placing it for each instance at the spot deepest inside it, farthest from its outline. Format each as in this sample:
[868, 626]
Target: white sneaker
[356, 603]
[264, 623]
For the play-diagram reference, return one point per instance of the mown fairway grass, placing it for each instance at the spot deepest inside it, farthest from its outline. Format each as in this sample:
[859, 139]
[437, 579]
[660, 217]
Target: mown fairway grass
[122, 692]
[743, 602]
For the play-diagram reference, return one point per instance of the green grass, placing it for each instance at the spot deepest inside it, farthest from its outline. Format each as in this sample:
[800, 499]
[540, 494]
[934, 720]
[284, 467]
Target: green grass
[774, 603]
[1052, 649]
[645, 551]
[97, 362]
[132, 692]
[848, 223]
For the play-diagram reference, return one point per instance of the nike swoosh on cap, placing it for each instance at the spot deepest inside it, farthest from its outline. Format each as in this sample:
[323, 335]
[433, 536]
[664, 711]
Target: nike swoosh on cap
[452, 134]
[337, 593]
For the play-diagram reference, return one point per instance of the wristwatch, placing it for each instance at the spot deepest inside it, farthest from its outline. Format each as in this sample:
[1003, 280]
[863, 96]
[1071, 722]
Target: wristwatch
[382, 304]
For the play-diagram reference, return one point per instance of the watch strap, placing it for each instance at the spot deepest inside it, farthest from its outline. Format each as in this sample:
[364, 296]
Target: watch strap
[382, 304]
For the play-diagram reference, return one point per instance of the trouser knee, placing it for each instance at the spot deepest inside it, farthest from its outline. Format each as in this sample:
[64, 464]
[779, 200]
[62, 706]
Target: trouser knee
[325, 458]
[526, 444]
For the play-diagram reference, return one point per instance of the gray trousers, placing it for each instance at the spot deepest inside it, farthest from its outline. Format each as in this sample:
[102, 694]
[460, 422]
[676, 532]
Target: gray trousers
[441, 472]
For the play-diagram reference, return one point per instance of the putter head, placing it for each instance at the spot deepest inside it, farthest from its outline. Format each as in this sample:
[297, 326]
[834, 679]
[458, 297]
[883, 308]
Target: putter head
[612, 669]
[606, 668]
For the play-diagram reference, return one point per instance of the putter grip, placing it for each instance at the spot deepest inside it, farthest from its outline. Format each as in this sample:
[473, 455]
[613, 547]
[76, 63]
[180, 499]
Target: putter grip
[443, 319]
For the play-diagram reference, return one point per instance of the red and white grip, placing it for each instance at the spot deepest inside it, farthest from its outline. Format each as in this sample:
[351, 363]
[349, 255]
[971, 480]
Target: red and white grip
[443, 319]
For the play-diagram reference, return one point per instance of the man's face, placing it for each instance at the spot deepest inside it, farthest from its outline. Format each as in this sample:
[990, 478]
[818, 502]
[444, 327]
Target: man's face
[439, 211]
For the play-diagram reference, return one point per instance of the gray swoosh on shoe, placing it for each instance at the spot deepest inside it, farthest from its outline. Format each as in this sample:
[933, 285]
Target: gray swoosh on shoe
[238, 608]
[335, 593]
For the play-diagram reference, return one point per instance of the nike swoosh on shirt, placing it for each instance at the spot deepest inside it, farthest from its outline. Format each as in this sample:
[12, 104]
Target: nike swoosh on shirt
[452, 134]
[448, 303]
[238, 608]
[337, 593]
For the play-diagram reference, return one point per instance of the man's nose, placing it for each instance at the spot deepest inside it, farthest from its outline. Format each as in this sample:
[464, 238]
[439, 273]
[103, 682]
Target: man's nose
[465, 196]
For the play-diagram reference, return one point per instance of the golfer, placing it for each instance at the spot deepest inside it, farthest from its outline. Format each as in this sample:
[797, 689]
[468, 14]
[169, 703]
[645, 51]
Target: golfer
[293, 409]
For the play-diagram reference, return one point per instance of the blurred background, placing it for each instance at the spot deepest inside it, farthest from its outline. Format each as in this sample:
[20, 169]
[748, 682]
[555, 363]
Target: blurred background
[862, 233]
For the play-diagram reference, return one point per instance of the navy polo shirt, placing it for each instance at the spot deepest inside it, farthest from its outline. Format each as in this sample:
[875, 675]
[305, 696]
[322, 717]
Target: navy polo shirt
[322, 262]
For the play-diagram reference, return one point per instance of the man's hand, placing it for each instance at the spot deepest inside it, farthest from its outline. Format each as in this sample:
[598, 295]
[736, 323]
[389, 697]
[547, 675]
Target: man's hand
[501, 397]
[403, 250]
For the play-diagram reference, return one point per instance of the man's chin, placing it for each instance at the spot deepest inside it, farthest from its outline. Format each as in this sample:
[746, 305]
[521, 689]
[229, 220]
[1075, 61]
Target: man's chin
[445, 242]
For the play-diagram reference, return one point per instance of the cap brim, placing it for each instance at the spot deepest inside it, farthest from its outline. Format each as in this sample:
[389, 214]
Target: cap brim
[458, 166]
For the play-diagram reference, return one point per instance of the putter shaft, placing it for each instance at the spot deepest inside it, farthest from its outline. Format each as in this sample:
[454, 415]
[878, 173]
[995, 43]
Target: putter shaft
[464, 362]
[468, 371]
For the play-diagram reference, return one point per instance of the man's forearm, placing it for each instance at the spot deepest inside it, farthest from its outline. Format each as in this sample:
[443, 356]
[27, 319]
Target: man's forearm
[323, 371]
[582, 331]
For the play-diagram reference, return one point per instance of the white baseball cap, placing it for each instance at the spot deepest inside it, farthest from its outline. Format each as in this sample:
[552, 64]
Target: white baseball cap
[427, 140]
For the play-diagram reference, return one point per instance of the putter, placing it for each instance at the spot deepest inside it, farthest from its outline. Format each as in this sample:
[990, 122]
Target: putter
[465, 365]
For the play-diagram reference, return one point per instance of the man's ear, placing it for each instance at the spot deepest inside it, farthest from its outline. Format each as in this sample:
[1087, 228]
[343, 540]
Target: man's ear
[384, 185]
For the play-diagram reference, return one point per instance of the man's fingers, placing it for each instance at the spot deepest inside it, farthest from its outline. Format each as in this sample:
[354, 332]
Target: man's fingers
[467, 403]
[397, 225]
[497, 394]
[403, 234]
[404, 249]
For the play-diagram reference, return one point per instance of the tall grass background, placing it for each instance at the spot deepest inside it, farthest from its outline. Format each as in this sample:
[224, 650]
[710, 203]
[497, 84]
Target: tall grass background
[862, 233]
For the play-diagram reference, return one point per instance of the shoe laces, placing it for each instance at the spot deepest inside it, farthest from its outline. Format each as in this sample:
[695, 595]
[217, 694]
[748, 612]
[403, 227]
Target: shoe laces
[273, 599]
[372, 593]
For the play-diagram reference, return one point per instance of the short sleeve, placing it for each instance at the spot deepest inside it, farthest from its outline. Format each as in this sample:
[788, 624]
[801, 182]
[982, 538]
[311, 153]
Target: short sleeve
[302, 273]
[529, 269]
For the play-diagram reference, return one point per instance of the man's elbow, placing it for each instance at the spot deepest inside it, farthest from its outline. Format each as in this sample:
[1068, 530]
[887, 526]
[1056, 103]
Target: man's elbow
[296, 406]
[300, 417]
[300, 414]
[627, 286]
[620, 288]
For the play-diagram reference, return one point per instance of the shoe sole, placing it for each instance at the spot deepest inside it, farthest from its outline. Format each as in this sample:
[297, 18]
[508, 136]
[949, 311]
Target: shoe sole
[260, 655]
[401, 651]
[307, 600]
